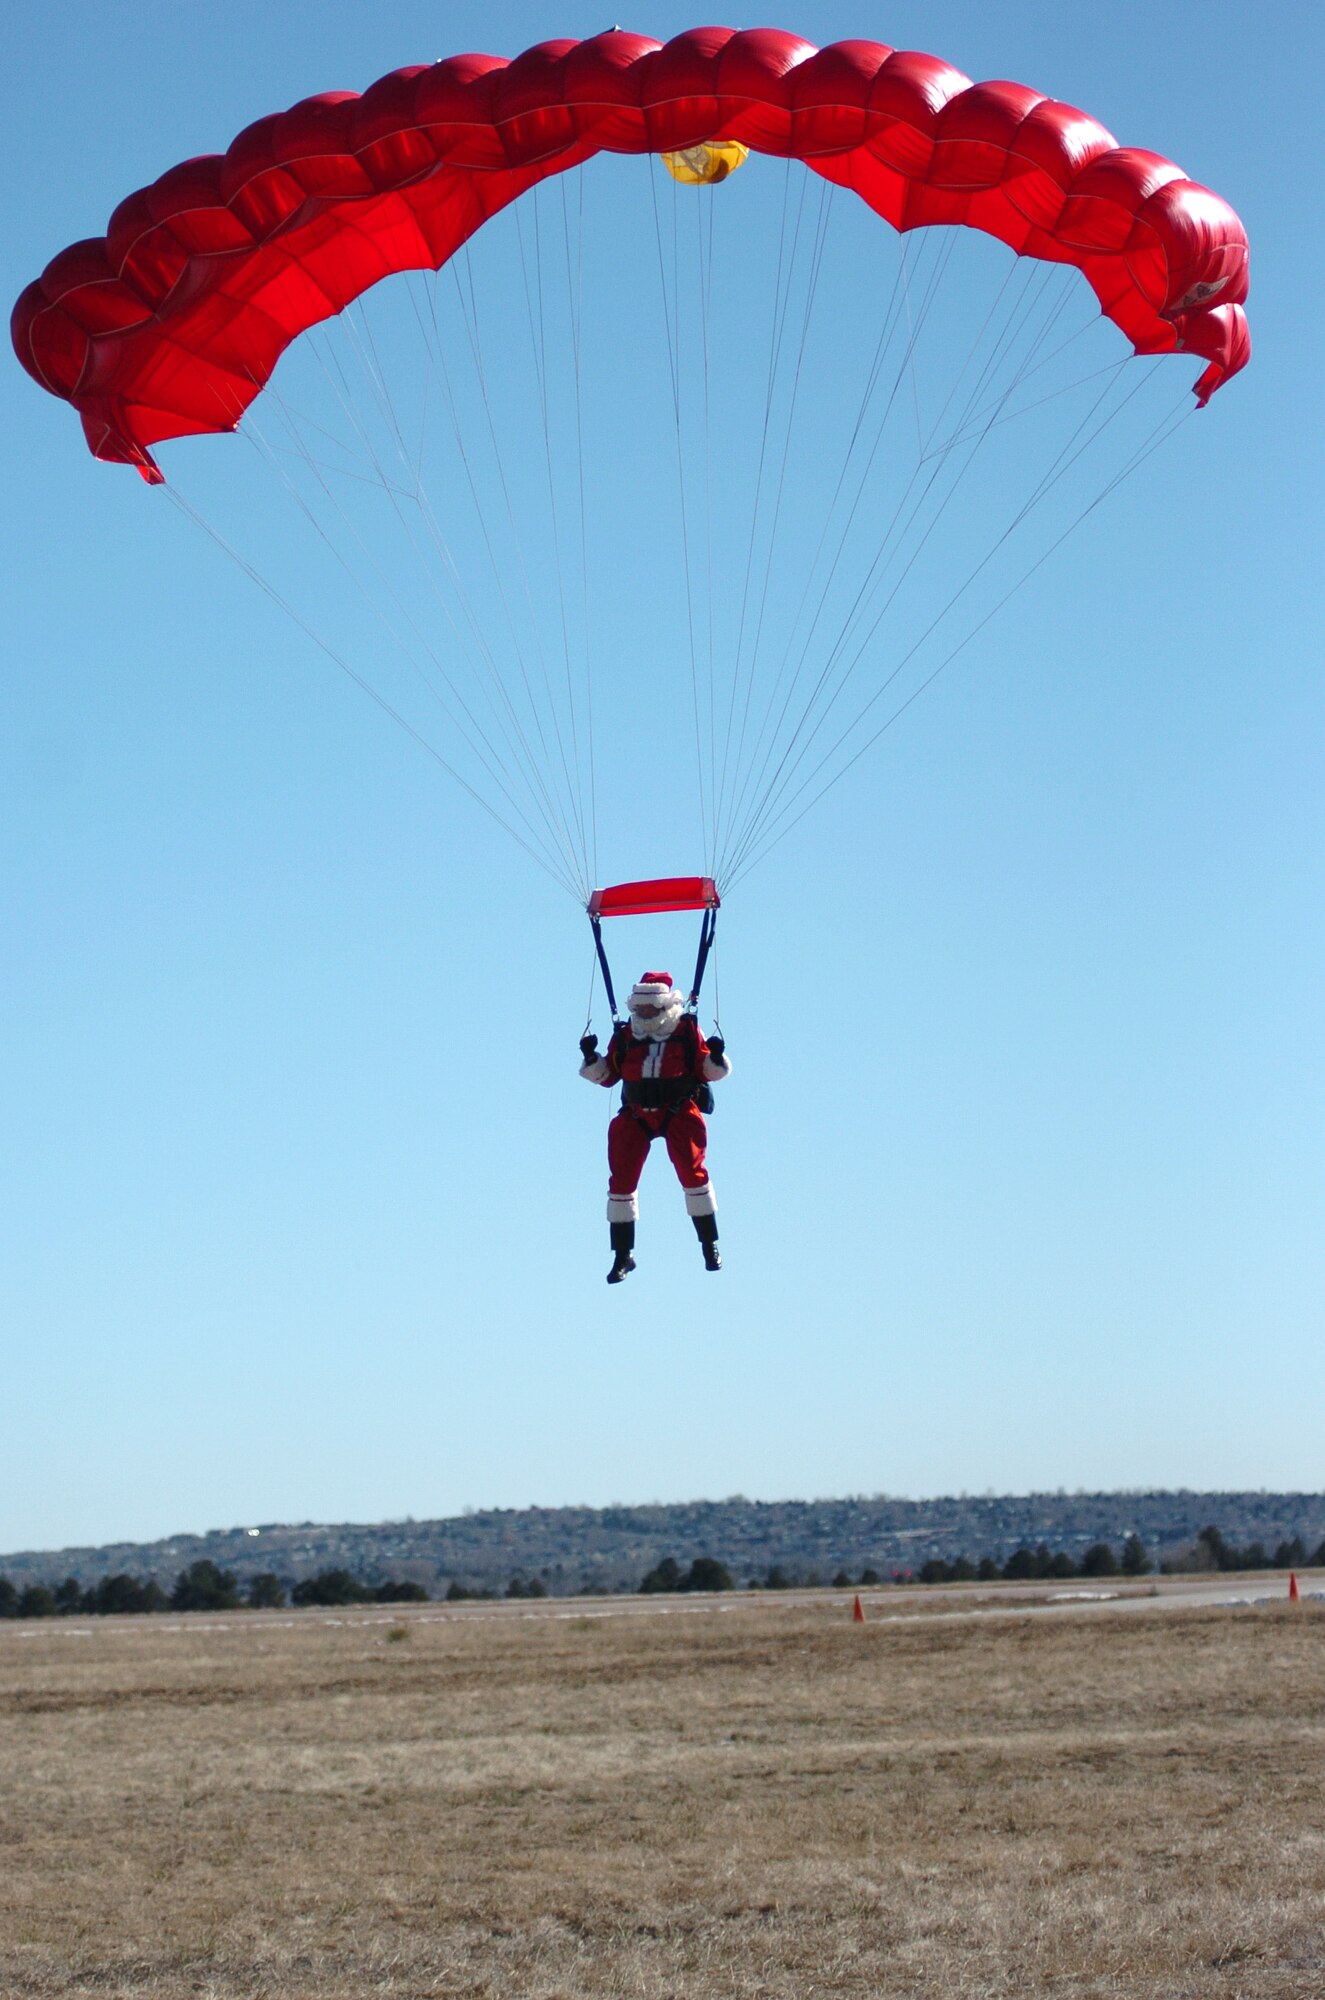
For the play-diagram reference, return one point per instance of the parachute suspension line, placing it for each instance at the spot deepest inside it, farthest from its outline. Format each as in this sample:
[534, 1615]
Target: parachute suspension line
[717, 987]
[870, 384]
[704, 213]
[786, 259]
[575, 302]
[593, 976]
[826, 192]
[792, 757]
[283, 604]
[582, 814]
[538, 341]
[489, 757]
[468, 309]
[1143, 451]
[891, 321]
[756, 768]
[496, 691]
[551, 807]
[1167, 427]
[789, 763]
[674, 367]
[891, 548]
[479, 651]
[910, 352]
[757, 494]
[488, 674]
[1054, 395]
[753, 764]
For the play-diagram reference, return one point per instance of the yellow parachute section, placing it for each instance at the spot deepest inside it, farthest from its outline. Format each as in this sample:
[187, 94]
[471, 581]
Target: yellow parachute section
[707, 163]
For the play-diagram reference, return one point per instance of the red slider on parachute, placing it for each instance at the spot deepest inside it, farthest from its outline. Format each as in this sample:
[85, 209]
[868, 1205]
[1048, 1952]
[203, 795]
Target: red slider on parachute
[643, 899]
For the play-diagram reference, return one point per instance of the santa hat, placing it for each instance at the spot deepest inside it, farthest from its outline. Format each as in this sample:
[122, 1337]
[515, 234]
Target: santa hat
[655, 993]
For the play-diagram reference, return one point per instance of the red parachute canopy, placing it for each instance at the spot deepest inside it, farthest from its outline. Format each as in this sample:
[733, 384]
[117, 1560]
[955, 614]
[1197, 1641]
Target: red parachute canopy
[642, 899]
[172, 322]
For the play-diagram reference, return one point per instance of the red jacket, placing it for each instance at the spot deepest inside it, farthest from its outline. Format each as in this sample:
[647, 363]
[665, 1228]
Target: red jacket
[657, 1075]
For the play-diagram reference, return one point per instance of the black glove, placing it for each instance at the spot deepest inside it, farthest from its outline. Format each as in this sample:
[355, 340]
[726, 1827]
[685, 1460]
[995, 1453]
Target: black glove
[589, 1047]
[717, 1047]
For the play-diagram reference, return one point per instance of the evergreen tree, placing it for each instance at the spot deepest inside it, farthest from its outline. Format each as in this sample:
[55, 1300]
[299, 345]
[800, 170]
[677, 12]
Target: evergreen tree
[665, 1577]
[121, 1596]
[36, 1601]
[8, 1599]
[204, 1587]
[1099, 1560]
[1212, 1551]
[1135, 1560]
[706, 1573]
[266, 1592]
[328, 1588]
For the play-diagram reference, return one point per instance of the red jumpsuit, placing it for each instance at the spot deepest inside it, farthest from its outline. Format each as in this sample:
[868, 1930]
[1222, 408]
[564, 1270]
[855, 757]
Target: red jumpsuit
[659, 1080]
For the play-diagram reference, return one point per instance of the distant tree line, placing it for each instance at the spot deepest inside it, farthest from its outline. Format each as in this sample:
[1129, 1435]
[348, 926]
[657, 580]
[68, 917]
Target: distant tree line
[1211, 1551]
[1024, 1565]
[519, 1586]
[204, 1586]
[704, 1573]
[1027, 1565]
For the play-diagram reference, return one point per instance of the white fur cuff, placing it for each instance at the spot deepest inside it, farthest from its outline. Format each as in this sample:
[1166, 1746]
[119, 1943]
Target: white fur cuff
[700, 1200]
[623, 1207]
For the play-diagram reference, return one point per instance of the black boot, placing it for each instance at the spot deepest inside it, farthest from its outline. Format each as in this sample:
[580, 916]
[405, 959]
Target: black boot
[623, 1244]
[706, 1229]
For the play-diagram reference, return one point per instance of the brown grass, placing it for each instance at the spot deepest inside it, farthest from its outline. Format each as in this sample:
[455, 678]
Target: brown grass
[762, 1804]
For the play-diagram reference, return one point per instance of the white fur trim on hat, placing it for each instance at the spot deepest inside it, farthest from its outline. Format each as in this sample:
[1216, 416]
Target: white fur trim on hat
[654, 986]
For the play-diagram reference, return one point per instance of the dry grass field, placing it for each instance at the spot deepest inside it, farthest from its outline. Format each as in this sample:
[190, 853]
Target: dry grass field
[757, 1803]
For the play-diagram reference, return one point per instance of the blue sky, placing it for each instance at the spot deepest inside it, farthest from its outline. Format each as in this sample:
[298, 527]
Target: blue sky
[1020, 1169]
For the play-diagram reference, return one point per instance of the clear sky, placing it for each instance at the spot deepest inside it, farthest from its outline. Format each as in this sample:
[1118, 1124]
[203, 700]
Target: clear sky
[1021, 1166]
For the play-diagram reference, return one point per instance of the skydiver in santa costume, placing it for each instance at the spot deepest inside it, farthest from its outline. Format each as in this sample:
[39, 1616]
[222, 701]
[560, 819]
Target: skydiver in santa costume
[663, 1064]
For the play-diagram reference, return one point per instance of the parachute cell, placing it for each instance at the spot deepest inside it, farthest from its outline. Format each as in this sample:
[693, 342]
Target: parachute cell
[171, 323]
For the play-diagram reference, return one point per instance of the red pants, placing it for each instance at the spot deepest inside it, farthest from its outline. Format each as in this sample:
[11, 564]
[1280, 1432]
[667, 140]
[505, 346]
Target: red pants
[631, 1133]
[629, 1137]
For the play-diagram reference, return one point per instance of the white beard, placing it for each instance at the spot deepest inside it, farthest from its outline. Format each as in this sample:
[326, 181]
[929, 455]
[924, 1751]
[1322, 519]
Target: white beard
[661, 1026]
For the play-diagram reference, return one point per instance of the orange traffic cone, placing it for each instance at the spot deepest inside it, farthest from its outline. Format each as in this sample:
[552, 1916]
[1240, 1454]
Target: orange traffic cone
[1292, 1587]
[858, 1610]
